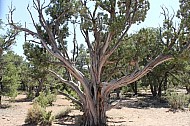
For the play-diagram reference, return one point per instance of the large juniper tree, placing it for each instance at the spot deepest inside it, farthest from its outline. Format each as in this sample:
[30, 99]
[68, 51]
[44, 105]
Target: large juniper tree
[104, 25]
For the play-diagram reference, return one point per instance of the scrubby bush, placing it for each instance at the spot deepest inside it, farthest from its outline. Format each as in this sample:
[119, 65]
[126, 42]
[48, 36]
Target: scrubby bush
[30, 95]
[63, 113]
[177, 100]
[45, 99]
[34, 115]
[47, 119]
[38, 115]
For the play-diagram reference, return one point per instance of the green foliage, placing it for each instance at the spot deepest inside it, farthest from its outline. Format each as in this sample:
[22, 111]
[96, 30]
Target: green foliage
[82, 60]
[30, 95]
[177, 100]
[38, 115]
[7, 37]
[140, 47]
[47, 119]
[34, 115]
[183, 13]
[45, 99]
[10, 73]
[36, 70]
[63, 113]
[126, 89]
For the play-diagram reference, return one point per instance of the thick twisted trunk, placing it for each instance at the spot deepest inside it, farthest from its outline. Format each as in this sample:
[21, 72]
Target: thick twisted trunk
[100, 120]
[100, 111]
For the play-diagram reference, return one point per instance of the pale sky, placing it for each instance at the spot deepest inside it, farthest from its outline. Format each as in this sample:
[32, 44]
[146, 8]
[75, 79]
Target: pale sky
[154, 18]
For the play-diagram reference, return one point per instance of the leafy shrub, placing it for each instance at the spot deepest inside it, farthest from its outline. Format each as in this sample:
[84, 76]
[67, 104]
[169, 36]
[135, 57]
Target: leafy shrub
[126, 89]
[30, 95]
[44, 99]
[38, 115]
[63, 113]
[177, 101]
[47, 119]
[51, 98]
[34, 115]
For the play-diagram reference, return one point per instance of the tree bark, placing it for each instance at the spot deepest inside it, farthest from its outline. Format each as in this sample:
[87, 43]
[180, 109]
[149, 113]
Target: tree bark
[1, 88]
[100, 120]
[101, 112]
[39, 89]
[0, 100]
[160, 89]
[99, 109]
[134, 87]
[153, 90]
[117, 93]
[165, 81]
[187, 89]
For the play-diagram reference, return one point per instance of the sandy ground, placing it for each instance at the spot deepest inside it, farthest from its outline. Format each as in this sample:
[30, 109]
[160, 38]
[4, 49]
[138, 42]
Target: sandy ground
[127, 115]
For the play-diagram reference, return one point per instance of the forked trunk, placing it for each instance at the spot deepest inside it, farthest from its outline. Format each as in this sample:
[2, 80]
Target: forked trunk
[89, 120]
[100, 112]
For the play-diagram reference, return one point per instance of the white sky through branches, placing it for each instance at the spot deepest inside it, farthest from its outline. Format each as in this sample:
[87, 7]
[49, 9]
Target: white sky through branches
[154, 17]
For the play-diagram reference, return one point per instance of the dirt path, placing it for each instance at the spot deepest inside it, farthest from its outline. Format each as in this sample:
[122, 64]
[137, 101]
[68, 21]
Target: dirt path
[16, 113]
[148, 117]
[126, 116]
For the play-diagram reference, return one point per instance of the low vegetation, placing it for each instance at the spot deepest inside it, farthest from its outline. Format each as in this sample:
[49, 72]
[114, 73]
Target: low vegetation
[39, 116]
[177, 100]
[45, 99]
[63, 113]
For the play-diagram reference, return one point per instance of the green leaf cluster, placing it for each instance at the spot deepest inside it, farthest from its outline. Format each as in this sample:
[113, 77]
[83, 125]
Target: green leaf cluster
[10, 73]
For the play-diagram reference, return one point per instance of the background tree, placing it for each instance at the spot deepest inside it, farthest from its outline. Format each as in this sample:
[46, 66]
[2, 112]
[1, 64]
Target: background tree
[10, 79]
[6, 41]
[104, 27]
[39, 61]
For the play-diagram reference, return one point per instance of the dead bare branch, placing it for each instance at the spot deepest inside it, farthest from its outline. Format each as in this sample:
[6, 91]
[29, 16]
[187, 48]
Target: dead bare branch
[73, 85]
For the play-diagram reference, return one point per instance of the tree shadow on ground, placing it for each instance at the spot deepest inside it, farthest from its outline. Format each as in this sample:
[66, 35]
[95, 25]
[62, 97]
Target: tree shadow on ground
[69, 120]
[5, 106]
[29, 125]
[23, 100]
[111, 121]
[143, 101]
